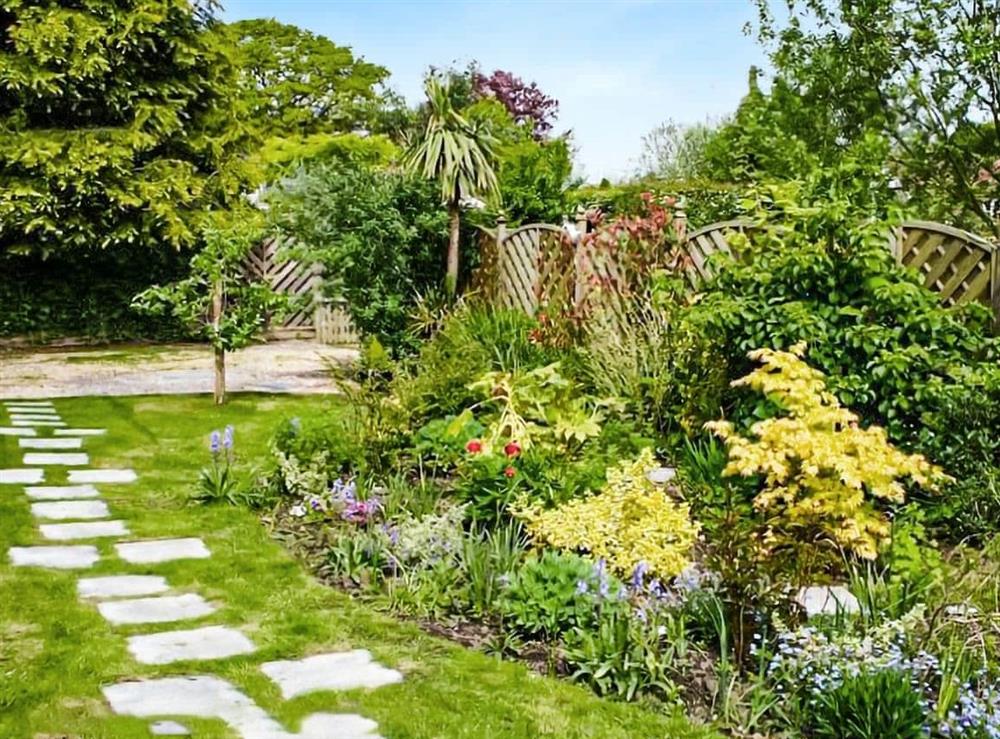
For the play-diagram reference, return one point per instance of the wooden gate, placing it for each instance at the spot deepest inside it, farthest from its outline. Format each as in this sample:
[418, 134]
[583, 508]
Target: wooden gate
[311, 316]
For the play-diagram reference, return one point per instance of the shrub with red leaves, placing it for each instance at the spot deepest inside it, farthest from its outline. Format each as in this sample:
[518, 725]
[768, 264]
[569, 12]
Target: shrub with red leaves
[525, 103]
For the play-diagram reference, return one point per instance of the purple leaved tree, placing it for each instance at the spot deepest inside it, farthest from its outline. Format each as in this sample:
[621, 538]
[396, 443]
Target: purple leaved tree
[525, 103]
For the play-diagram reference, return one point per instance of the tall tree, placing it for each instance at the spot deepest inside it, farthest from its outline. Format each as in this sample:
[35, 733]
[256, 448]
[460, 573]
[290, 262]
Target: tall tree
[923, 73]
[297, 83]
[458, 154]
[115, 123]
[526, 103]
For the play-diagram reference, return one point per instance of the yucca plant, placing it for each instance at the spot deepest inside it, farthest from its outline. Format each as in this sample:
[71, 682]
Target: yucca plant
[458, 154]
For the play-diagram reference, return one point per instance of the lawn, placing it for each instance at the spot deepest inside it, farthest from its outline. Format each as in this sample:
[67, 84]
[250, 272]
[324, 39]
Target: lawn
[56, 652]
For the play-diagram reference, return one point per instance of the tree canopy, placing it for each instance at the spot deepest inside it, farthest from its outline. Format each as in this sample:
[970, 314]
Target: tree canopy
[115, 123]
[297, 83]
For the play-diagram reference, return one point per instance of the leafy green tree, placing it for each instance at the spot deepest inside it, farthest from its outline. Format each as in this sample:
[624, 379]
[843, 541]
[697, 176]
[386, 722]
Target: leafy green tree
[379, 235]
[297, 83]
[922, 73]
[458, 153]
[216, 300]
[676, 151]
[115, 125]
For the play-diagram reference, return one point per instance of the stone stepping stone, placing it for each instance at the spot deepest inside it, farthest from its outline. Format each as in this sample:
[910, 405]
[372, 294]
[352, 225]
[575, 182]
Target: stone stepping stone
[34, 415]
[121, 586]
[29, 403]
[87, 530]
[80, 432]
[51, 443]
[209, 642]
[78, 557]
[21, 477]
[206, 696]
[819, 600]
[168, 728]
[22, 408]
[37, 423]
[101, 476]
[65, 510]
[71, 459]
[61, 492]
[162, 550]
[19, 431]
[163, 609]
[337, 671]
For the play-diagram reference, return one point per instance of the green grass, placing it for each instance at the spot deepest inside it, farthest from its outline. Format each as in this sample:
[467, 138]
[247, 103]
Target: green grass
[56, 652]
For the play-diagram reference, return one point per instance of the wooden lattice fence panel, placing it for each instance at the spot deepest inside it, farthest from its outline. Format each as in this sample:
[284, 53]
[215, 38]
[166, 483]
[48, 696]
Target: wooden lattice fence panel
[310, 317]
[961, 267]
[522, 259]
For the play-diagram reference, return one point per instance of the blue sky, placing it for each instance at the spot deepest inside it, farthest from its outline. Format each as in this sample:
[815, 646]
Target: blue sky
[617, 67]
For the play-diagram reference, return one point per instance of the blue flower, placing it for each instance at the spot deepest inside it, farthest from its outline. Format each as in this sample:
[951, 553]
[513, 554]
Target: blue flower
[214, 441]
[227, 438]
[639, 575]
[582, 587]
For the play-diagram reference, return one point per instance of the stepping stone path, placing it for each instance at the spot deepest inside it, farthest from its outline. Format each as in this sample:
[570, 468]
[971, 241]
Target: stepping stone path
[137, 599]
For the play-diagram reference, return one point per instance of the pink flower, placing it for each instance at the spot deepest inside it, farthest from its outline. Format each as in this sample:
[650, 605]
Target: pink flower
[474, 447]
[509, 472]
[512, 449]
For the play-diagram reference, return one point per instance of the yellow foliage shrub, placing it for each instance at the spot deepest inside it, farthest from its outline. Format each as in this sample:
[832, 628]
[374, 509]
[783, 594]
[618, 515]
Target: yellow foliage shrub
[820, 469]
[630, 521]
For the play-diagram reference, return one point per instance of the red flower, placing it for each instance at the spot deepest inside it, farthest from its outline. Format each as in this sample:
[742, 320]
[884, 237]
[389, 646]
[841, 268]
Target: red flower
[474, 447]
[512, 449]
[509, 472]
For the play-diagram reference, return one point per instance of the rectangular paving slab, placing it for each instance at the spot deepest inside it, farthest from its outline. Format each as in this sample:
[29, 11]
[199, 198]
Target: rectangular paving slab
[21, 477]
[162, 550]
[65, 510]
[51, 443]
[37, 423]
[61, 492]
[75, 557]
[163, 609]
[209, 642]
[101, 476]
[32, 403]
[337, 671]
[80, 432]
[85, 530]
[121, 586]
[71, 459]
[18, 431]
[33, 417]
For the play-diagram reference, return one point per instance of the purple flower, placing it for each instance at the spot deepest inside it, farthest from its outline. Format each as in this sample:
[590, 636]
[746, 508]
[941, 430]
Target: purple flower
[227, 438]
[581, 587]
[639, 575]
[214, 441]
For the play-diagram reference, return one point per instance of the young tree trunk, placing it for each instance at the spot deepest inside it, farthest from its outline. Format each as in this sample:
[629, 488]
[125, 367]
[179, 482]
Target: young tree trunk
[220, 376]
[220, 353]
[451, 276]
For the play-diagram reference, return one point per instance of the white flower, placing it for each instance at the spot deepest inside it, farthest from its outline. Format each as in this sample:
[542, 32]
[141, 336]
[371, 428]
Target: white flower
[298, 510]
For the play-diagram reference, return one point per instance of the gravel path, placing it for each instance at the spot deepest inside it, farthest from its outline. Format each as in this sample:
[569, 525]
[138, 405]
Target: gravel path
[277, 367]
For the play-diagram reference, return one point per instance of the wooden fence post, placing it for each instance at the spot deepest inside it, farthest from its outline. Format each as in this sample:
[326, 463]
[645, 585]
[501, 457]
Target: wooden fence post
[681, 224]
[579, 258]
[995, 285]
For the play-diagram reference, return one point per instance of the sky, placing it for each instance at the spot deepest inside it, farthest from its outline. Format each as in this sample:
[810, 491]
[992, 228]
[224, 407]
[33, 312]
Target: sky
[617, 67]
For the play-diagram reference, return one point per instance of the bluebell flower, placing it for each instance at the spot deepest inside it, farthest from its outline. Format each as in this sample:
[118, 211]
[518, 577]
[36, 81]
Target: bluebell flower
[214, 442]
[227, 437]
[639, 575]
[582, 587]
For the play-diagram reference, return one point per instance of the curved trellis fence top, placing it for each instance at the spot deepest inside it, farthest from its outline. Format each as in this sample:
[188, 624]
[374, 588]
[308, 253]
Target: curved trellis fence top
[527, 264]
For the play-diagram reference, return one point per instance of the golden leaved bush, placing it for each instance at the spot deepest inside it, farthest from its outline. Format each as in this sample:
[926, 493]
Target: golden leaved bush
[630, 521]
[819, 468]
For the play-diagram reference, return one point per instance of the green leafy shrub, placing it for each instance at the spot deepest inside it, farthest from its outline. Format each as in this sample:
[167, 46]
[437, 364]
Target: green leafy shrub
[379, 234]
[818, 274]
[551, 594]
[870, 705]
